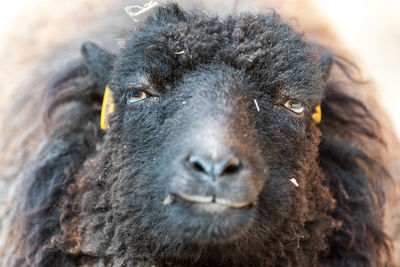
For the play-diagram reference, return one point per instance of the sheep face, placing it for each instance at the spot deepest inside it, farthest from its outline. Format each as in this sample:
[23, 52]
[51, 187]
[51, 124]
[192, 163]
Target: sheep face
[212, 121]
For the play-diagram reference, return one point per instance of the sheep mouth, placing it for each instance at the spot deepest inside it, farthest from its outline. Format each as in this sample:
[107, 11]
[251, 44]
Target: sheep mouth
[209, 202]
[207, 219]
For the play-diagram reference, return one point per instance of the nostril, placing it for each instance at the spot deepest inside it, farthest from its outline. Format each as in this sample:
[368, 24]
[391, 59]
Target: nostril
[232, 166]
[197, 166]
[200, 165]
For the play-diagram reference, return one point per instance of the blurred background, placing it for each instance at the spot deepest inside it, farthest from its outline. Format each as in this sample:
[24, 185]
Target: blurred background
[371, 30]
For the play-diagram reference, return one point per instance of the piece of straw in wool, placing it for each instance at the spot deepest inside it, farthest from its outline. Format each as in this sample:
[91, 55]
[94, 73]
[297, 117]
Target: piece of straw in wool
[135, 10]
[294, 182]
[257, 107]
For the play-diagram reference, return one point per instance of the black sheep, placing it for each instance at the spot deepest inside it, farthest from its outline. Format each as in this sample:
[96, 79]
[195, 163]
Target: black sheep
[214, 155]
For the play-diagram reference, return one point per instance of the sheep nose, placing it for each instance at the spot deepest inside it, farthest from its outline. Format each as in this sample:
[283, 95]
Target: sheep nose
[228, 165]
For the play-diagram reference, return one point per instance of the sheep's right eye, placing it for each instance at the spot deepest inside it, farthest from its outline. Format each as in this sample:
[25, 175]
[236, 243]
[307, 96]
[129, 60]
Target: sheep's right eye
[295, 105]
[134, 96]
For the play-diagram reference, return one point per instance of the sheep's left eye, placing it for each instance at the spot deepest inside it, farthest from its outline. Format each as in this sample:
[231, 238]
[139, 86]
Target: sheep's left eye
[295, 105]
[136, 96]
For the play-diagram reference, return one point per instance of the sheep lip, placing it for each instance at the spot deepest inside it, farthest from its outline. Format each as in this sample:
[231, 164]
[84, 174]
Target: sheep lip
[195, 198]
[210, 200]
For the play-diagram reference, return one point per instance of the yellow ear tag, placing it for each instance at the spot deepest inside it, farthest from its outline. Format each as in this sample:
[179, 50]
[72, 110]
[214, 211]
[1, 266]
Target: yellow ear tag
[107, 108]
[317, 115]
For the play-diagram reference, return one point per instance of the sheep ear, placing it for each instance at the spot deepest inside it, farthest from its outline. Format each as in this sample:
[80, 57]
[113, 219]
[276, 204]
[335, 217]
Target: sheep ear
[325, 58]
[325, 64]
[99, 63]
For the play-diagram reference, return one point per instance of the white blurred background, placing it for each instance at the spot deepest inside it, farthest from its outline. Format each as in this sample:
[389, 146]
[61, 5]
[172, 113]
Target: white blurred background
[369, 28]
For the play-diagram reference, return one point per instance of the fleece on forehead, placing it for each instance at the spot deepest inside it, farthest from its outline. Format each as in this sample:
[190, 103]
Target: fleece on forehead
[174, 42]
